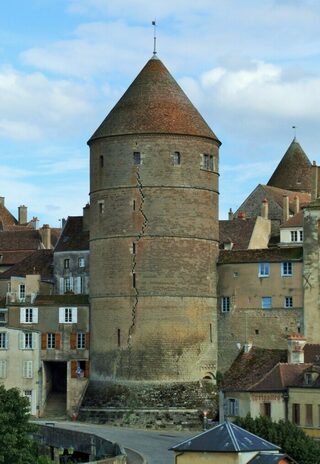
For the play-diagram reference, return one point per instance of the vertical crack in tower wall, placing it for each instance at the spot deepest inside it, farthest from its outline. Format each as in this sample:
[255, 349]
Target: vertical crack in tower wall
[134, 261]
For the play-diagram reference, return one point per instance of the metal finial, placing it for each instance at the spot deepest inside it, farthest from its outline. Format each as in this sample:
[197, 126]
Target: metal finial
[154, 37]
[294, 131]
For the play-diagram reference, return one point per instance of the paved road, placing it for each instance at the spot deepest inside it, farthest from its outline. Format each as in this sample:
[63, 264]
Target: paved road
[153, 445]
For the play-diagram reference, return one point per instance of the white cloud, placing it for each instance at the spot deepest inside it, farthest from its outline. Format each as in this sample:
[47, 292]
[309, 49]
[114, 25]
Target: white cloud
[34, 106]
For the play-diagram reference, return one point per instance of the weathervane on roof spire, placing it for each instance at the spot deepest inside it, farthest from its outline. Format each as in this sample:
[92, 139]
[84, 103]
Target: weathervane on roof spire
[154, 24]
[294, 131]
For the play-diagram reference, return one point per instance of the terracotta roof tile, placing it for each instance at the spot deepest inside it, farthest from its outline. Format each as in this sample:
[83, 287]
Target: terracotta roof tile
[294, 221]
[73, 237]
[66, 299]
[238, 231]
[294, 170]
[280, 377]
[39, 262]
[260, 255]
[249, 368]
[154, 103]
[12, 257]
[19, 240]
[6, 218]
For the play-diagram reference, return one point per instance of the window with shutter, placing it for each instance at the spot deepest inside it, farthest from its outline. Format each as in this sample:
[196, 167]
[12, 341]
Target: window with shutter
[27, 370]
[87, 340]
[73, 341]
[87, 369]
[58, 341]
[43, 341]
[3, 369]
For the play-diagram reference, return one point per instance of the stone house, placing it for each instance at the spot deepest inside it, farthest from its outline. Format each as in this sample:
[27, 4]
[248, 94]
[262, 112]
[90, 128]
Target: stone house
[20, 364]
[282, 386]
[71, 258]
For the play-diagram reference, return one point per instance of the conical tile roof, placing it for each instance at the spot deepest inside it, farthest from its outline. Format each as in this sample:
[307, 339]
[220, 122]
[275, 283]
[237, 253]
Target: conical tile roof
[154, 104]
[294, 170]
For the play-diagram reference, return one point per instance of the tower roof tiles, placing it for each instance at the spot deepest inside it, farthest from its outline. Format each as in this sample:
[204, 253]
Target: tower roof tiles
[294, 170]
[154, 104]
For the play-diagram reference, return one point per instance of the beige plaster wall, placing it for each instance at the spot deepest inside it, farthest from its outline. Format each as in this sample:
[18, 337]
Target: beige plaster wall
[260, 234]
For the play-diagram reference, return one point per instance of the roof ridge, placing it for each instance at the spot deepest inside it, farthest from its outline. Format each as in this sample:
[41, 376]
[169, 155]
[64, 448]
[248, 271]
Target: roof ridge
[232, 436]
[265, 375]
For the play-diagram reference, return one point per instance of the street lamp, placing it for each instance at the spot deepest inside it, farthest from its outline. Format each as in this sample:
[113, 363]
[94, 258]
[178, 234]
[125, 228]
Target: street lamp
[205, 419]
[65, 457]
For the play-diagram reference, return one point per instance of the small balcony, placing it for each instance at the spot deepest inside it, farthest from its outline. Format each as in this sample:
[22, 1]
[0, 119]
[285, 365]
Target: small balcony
[17, 298]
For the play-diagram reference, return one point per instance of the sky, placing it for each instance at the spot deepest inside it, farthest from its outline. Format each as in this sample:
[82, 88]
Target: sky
[252, 68]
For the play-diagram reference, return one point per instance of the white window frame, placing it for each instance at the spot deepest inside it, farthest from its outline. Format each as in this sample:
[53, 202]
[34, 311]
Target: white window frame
[68, 284]
[81, 261]
[225, 304]
[68, 315]
[66, 263]
[266, 302]
[264, 269]
[81, 341]
[29, 315]
[22, 292]
[27, 369]
[27, 340]
[3, 369]
[288, 302]
[3, 340]
[286, 269]
[51, 341]
[301, 235]
[294, 236]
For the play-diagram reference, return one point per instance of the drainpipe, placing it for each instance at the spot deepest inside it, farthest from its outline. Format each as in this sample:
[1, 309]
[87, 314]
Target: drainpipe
[286, 405]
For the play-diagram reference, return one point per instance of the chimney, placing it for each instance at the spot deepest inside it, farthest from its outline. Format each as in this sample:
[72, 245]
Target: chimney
[241, 215]
[35, 223]
[22, 214]
[45, 233]
[296, 204]
[230, 214]
[265, 209]
[1, 201]
[285, 208]
[296, 344]
[86, 218]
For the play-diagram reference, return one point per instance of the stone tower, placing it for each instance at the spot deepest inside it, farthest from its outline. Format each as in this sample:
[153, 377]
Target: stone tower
[153, 236]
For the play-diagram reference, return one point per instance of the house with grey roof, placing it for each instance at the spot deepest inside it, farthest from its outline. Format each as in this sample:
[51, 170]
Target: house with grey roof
[228, 443]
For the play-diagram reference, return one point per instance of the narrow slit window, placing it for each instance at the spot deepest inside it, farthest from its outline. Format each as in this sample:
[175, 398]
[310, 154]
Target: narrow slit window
[176, 158]
[134, 280]
[136, 158]
[210, 332]
[119, 338]
[133, 248]
[101, 206]
[101, 161]
[133, 205]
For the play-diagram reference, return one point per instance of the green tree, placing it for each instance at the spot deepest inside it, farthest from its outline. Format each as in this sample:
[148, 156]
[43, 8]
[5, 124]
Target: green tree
[290, 438]
[16, 444]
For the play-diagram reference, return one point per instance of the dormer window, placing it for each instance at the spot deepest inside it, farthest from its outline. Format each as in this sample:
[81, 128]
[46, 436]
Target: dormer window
[308, 378]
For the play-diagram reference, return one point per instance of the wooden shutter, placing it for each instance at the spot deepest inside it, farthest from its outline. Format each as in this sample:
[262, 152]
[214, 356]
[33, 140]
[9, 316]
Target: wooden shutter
[77, 284]
[61, 285]
[35, 315]
[87, 340]
[87, 369]
[73, 365]
[74, 315]
[22, 315]
[43, 341]
[73, 341]
[61, 315]
[58, 341]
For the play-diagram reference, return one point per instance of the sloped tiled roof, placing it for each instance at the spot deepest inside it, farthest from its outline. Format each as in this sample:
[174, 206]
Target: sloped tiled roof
[249, 368]
[154, 103]
[278, 194]
[280, 377]
[312, 353]
[260, 255]
[39, 262]
[239, 231]
[8, 258]
[73, 237]
[20, 240]
[294, 221]
[6, 218]
[225, 438]
[294, 170]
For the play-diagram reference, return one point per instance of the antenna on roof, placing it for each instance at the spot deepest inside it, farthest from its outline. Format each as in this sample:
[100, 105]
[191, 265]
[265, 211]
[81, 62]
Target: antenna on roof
[294, 131]
[154, 24]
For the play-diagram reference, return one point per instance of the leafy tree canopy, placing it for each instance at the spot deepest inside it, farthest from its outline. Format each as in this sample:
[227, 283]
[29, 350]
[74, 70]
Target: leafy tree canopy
[290, 438]
[16, 444]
